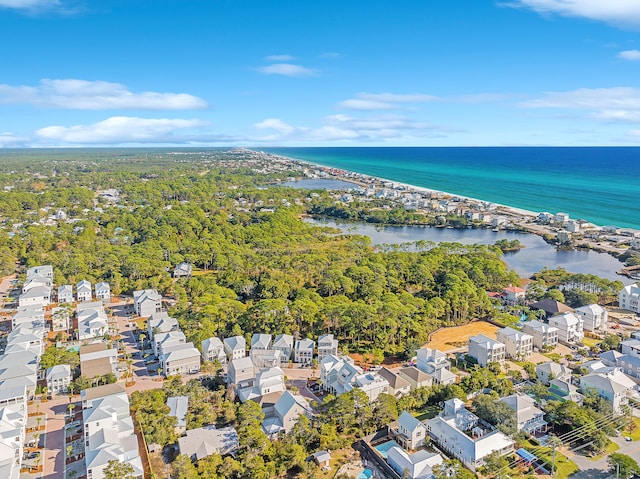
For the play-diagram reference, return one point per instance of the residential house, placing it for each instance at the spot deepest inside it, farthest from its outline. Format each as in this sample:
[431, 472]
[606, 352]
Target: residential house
[550, 307]
[284, 344]
[415, 377]
[631, 347]
[459, 433]
[161, 323]
[147, 302]
[418, 465]
[337, 374]
[371, 383]
[486, 350]
[267, 381]
[235, 347]
[45, 271]
[610, 358]
[513, 295]
[327, 345]
[183, 270]
[241, 372]
[98, 360]
[27, 314]
[629, 298]
[518, 345]
[398, 386]
[103, 291]
[109, 432]
[529, 418]
[322, 459]
[65, 294]
[545, 372]
[261, 341]
[612, 386]
[58, 378]
[37, 296]
[213, 350]
[284, 414]
[545, 336]
[162, 340]
[204, 441]
[564, 391]
[431, 360]
[266, 358]
[92, 320]
[570, 327]
[409, 432]
[12, 435]
[630, 365]
[594, 318]
[303, 351]
[83, 291]
[178, 407]
[181, 359]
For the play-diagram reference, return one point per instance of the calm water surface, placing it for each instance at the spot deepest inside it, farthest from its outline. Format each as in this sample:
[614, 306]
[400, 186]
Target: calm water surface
[536, 255]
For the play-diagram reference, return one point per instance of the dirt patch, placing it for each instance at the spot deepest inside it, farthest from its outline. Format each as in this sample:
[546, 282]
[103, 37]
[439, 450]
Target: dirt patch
[456, 337]
[365, 361]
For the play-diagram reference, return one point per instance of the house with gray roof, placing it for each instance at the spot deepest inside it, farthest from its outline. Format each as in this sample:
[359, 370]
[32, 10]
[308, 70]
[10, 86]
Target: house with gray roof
[545, 372]
[147, 302]
[285, 413]
[303, 351]
[415, 377]
[161, 323]
[613, 386]
[84, 291]
[409, 432]
[284, 343]
[183, 359]
[529, 418]
[103, 291]
[486, 350]
[204, 441]
[418, 465]
[58, 378]
[327, 345]
[178, 407]
[398, 386]
[213, 350]
[235, 347]
[65, 294]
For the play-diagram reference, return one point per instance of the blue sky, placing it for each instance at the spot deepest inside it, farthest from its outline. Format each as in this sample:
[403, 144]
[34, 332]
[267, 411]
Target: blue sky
[330, 73]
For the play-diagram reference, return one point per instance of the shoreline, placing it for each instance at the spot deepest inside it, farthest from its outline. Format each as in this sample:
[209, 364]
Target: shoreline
[520, 218]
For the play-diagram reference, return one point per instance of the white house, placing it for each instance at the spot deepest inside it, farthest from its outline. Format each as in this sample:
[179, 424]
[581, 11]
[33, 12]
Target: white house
[65, 294]
[183, 270]
[303, 351]
[327, 345]
[528, 417]
[241, 372]
[37, 296]
[180, 360]
[84, 291]
[163, 340]
[284, 343]
[545, 336]
[285, 414]
[147, 302]
[613, 386]
[431, 360]
[594, 318]
[631, 347]
[178, 407]
[629, 298]
[161, 323]
[518, 345]
[513, 295]
[410, 433]
[570, 327]
[103, 291]
[92, 320]
[486, 350]
[261, 341]
[337, 374]
[372, 384]
[235, 347]
[459, 433]
[213, 349]
[545, 372]
[267, 381]
[58, 378]
[418, 465]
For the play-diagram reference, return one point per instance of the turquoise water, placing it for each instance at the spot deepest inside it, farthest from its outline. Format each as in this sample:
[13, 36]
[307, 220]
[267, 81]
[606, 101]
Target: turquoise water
[601, 185]
[385, 446]
[365, 474]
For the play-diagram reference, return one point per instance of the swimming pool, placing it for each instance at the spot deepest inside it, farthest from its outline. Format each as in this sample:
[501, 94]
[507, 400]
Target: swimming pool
[385, 446]
[365, 474]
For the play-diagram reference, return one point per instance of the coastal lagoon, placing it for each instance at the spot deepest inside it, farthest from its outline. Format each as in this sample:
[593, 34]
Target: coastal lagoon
[532, 258]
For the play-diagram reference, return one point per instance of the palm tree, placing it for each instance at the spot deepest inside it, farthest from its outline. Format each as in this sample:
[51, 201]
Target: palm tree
[69, 451]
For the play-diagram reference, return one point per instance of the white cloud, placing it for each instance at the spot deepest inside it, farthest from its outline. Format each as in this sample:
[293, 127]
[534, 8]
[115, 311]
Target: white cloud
[619, 104]
[28, 4]
[631, 55]
[625, 98]
[95, 95]
[287, 69]
[330, 55]
[122, 129]
[9, 140]
[279, 58]
[383, 101]
[616, 12]
[345, 127]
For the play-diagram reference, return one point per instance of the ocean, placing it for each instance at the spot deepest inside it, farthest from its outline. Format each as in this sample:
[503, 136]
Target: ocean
[598, 184]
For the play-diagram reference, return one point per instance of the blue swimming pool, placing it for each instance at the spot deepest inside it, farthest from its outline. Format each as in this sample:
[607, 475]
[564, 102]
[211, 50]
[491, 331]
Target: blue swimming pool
[385, 446]
[365, 474]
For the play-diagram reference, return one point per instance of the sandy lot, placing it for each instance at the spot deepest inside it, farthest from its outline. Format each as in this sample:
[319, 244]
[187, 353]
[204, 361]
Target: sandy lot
[451, 339]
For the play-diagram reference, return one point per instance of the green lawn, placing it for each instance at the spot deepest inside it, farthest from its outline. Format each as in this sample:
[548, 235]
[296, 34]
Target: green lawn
[611, 448]
[589, 342]
[563, 466]
[635, 434]
[553, 356]
[428, 413]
